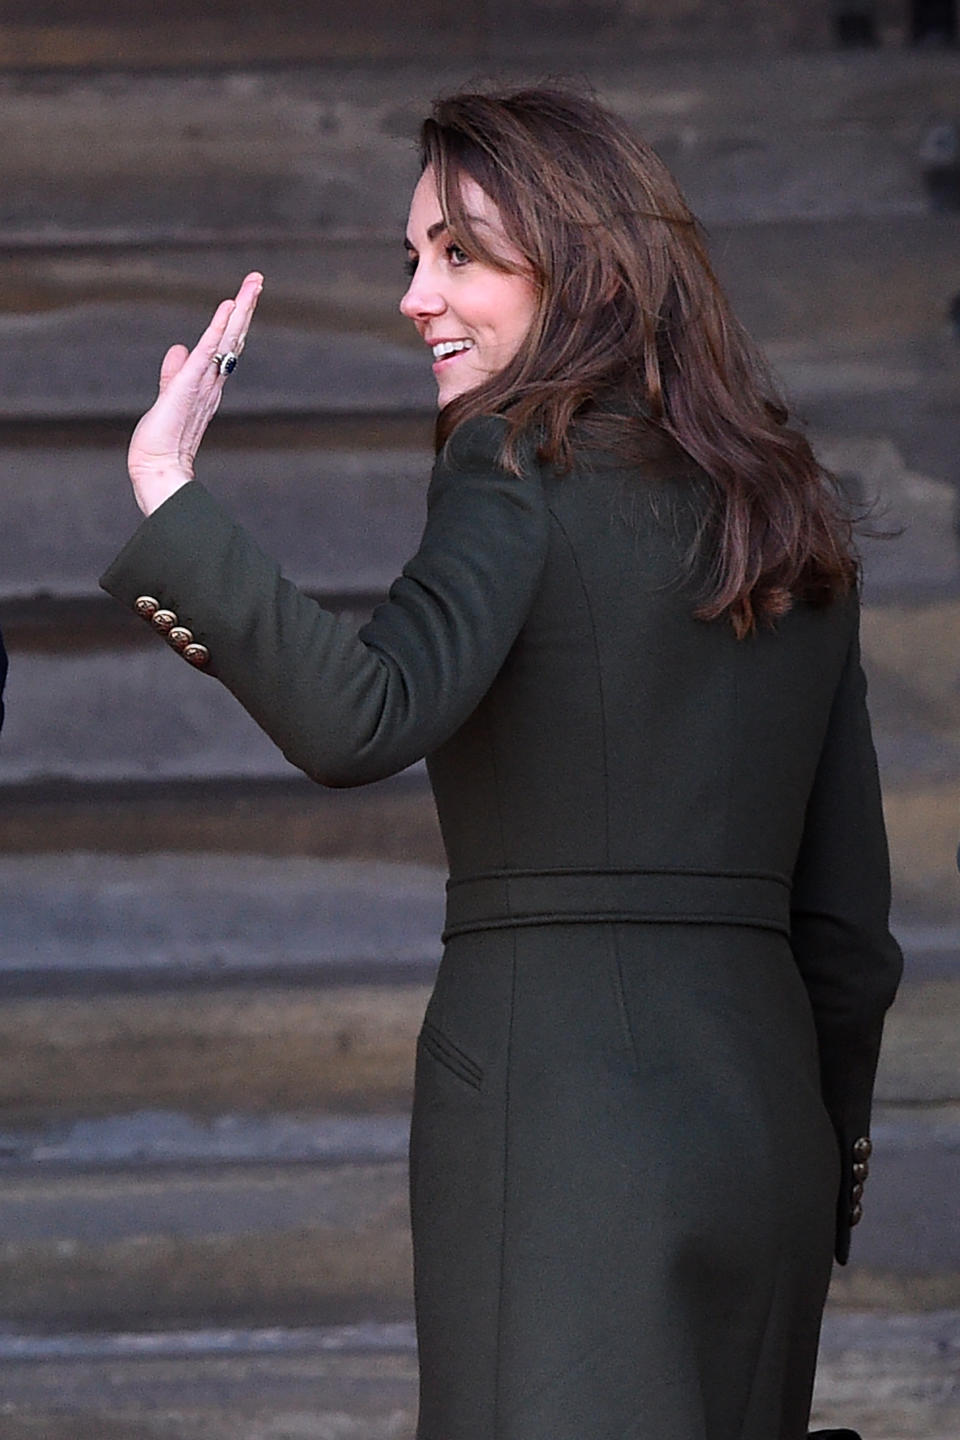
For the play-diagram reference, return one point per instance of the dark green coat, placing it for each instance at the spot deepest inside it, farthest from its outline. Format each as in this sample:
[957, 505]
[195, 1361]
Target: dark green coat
[599, 758]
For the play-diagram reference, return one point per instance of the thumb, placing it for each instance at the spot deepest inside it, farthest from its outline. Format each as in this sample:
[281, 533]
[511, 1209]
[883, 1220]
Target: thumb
[172, 364]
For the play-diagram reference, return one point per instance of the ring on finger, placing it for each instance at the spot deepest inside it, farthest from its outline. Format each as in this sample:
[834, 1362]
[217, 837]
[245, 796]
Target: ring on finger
[226, 361]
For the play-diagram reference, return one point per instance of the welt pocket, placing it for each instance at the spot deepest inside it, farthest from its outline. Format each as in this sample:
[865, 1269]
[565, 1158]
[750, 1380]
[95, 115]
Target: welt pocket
[450, 1056]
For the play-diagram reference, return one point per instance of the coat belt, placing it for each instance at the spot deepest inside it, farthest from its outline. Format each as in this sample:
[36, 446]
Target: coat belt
[506, 898]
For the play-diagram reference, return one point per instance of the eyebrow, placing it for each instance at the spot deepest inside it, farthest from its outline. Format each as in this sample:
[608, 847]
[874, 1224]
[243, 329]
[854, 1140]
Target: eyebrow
[438, 227]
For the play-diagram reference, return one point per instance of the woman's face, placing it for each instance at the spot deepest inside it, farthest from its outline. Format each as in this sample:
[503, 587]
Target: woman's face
[473, 315]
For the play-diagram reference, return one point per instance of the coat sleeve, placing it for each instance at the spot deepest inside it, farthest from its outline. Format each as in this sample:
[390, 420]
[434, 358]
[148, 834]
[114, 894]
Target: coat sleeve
[351, 707]
[849, 961]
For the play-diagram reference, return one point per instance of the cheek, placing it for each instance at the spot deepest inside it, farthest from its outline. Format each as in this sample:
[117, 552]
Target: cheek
[514, 310]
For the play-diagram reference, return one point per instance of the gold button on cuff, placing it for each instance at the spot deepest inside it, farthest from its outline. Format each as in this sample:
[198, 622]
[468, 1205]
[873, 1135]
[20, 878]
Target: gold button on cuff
[146, 606]
[180, 637]
[164, 620]
[856, 1215]
[856, 1194]
[196, 654]
[862, 1148]
[860, 1171]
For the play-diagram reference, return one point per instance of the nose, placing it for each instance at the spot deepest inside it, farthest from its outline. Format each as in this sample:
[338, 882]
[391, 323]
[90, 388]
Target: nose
[421, 302]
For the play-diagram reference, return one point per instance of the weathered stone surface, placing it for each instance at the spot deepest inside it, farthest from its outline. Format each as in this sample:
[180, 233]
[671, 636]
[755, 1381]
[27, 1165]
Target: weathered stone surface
[340, 520]
[104, 363]
[394, 820]
[170, 1137]
[909, 1225]
[134, 713]
[819, 280]
[920, 1061]
[346, 520]
[181, 912]
[58, 32]
[920, 551]
[922, 825]
[288, 1244]
[97, 930]
[139, 712]
[283, 983]
[263, 152]
[915, 645]
[860, 281]
[344, 1383]
[218, 1051]
[284, 1244]
[910, 658]
[246, 1049]
[893, 1376]
[316, 283]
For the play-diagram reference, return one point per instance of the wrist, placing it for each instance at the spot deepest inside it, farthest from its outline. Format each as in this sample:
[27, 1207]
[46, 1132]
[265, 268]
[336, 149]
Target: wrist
[151, 491]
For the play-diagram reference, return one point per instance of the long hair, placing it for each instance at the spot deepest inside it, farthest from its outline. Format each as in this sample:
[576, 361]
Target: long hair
[633, 332]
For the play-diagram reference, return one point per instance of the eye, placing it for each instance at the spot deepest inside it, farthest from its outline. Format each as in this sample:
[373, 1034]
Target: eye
[410, 264]
[457, 255]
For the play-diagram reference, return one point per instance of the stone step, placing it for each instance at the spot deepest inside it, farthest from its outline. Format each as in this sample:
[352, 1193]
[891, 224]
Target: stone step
[298, 1035]
[343, 519]
[96, 34]
[347, 1382]
[822, 280]
[889, 1376]
[105, 723]
[211, 982]
[253, 1046]
[908, 1241]
[63, 33]
[322, 364]
[325, 1242]
[198, 1242]
[207, 984]
[97, 712]
[892, 1376]
[105, 715]
[152, 1140]
[66, 368]
[144, 1140]
[394, 819]
[140, 157]
[208, 917]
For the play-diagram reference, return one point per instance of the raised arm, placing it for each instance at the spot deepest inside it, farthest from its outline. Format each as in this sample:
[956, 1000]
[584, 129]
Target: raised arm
[850, 962]
[350, 707]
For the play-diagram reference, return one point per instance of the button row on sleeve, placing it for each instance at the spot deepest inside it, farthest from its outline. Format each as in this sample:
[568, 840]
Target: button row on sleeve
[165, 621]
[862, 1149]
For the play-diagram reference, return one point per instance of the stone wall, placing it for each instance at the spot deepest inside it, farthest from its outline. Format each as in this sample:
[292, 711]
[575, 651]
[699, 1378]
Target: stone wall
[215, 32]
[212, 971]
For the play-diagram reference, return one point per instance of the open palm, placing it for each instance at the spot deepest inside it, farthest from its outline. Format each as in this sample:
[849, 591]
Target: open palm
[165, 443]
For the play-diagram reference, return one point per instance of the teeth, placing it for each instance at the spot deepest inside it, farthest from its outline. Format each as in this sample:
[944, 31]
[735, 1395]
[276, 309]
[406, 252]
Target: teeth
[450, 347]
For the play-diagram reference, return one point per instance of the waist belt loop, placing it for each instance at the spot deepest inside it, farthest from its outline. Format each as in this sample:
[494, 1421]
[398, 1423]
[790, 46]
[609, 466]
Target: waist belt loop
[504, 898]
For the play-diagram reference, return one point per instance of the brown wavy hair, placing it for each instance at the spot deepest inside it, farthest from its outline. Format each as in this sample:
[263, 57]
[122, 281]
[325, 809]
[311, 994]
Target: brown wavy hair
[632, 333]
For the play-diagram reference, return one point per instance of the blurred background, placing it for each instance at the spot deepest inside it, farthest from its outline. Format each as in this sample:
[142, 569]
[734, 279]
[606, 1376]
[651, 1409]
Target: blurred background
[211, 971]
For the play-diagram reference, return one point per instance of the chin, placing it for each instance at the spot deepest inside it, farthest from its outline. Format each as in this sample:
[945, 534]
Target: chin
[453, 391]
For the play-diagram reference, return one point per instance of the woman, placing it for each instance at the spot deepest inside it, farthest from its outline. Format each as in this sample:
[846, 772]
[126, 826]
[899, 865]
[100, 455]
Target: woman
[627, 646]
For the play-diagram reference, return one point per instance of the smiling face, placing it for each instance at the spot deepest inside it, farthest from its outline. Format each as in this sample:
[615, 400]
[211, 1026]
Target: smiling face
[472, 315]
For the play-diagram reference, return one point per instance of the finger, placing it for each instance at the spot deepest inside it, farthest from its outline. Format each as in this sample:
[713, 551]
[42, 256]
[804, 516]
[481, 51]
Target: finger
[244, 307]
[173, 363]
[199, 362]
[198, 368]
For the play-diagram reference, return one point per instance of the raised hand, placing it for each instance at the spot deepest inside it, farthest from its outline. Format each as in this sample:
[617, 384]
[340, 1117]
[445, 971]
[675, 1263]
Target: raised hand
[165, 443]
